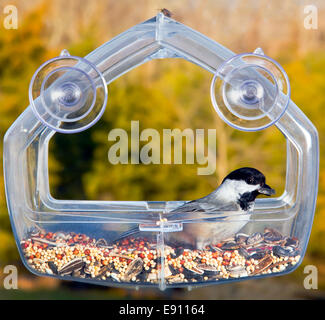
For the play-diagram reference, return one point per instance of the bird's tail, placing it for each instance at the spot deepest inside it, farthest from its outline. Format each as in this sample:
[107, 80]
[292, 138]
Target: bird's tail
[132, 231]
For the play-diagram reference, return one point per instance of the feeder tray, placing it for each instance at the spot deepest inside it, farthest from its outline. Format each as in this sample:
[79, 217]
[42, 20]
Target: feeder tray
[74, 240]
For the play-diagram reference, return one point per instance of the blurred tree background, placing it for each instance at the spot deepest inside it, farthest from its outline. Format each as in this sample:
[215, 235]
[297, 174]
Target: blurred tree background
[161, 94]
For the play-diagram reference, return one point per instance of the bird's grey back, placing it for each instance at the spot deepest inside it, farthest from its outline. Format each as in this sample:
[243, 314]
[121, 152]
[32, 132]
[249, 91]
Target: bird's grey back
[207, 205]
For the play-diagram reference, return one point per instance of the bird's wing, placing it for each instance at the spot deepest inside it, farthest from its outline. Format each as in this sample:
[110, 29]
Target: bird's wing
[195, 209]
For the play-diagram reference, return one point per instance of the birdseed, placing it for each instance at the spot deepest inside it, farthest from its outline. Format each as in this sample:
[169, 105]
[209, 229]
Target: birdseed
[136, 260]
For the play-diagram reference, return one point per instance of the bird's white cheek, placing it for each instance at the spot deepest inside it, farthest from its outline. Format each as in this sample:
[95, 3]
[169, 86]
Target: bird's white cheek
[232, 189]
[242, 187]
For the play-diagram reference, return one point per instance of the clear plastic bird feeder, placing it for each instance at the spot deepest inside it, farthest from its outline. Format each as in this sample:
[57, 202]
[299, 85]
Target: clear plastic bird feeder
[74, 240]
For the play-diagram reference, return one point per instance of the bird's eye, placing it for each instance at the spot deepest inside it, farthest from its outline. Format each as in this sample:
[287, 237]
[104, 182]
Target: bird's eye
[250, 180]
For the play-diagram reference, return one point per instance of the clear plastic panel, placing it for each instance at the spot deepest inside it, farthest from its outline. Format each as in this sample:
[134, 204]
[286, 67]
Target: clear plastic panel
[76, 239]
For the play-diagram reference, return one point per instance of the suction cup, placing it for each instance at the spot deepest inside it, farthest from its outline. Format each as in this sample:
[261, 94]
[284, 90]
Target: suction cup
[250, 91]
[68, 94]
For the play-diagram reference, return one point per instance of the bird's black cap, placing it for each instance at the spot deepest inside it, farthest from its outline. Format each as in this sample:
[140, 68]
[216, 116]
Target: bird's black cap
[251, 176]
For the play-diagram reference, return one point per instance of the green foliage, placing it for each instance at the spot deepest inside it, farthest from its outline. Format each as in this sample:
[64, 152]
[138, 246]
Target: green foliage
[160, 94]
[22, 51]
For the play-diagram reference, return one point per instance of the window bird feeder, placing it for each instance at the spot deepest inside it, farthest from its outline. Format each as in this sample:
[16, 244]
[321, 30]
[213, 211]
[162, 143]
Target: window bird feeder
[74, 240]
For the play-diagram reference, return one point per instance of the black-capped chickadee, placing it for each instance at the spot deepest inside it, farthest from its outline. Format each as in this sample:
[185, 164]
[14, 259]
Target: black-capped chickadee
[235, 196]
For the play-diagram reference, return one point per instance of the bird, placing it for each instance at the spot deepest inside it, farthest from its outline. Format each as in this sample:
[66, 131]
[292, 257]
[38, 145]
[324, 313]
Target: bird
[233, 200]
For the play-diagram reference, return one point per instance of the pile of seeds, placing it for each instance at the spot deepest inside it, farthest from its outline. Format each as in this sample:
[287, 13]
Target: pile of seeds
[137, 260]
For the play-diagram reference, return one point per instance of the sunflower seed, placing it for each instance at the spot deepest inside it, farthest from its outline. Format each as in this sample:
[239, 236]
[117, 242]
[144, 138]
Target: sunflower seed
[283, 251]
[244, 253]
[263, 264]
[272, 236]
[208, 270]
[292, 242]
[241, 238]
[53, 267]
[231, 245]
[101, 243]
[134, 268]
[254, 239]
[74, 265]
[237, 271]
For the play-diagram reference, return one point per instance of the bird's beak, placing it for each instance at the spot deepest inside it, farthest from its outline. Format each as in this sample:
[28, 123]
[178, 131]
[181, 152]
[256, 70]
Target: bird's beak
[267, 190]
